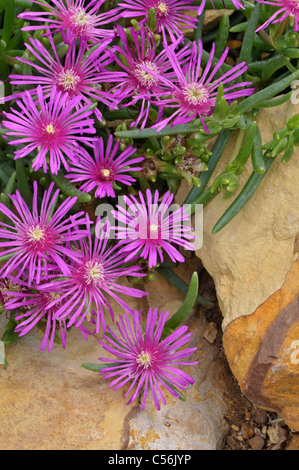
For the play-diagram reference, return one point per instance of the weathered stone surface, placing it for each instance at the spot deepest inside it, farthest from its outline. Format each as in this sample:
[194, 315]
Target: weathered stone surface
[49, 402]
[250, 257]
[293, 444]
[263, 351]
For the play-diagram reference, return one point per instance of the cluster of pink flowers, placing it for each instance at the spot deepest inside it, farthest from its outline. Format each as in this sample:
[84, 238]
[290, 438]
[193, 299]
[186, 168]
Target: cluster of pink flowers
[54, 269]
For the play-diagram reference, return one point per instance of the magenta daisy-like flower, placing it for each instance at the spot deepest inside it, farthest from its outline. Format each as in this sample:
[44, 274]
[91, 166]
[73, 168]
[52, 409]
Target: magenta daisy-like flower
[285, 8]
[53, 127]
[149, 227]
[105, 168]
[84, 22]
[135, 82]
[37, 241]
[171, 14]
[195, 92]
[78, 75]
[146, 360]
[83, 292]
[31, 309]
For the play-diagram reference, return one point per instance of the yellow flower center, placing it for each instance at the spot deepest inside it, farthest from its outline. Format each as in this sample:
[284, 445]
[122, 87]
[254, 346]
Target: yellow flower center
[94, 272]
[162, 7]
[80, 18]
[154, 228]
[145, 78]
[36, 234]
[195, 93]
[144, 359]
[106, 173]
[68, 80]
[50, 129]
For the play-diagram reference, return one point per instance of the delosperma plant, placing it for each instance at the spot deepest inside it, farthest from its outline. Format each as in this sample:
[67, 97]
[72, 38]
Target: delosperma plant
[107, 107]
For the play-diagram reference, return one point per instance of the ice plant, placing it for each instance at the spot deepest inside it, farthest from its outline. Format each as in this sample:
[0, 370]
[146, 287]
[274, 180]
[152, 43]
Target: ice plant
[84, 22]
[135, 83]
[101, 171]
[31, 309]
[53, 127]
[285, 8]
[37, 240]
[149, 227]
[77, 74]
[171, 15]
[145, 360]
[92, 278]
[194, 94]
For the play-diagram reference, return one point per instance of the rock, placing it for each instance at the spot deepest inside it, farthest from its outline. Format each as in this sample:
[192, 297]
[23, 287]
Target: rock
[259, 416]
[293, 444]
[250, 257]
[262, 350]
[235, 428]
[211, 333]
[272, 433]
[249, 260]
[232, 443]
[256, 443]
[247, 431]
[48, 402]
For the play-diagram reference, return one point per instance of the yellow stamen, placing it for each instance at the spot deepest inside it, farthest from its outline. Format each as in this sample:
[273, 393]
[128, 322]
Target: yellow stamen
[144, 359]
[94, 272]
[162, 7]
[68, 79]
[36, 234]
[154, 227]
[50, 129]
[106, 173]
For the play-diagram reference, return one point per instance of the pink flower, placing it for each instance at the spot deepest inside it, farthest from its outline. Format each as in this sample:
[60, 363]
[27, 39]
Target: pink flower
[147, 227]
[37, 240]
[104, 169]
[133, 81]
[36, 311]
[194, 94]
[78, 75]
[146, 360]
[171, 16]
[53, 129]
[285, 8]
[93, 275]
[83, 22]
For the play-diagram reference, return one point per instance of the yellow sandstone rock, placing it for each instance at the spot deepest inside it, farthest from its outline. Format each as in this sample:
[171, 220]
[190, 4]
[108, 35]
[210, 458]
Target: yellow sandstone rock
[249, 260]
[263, 351]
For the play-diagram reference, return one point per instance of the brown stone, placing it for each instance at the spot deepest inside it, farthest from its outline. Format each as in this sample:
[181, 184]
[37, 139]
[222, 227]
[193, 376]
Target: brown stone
[232, 443]
[256, 443]
[211, 333]
[259, 416]
[263, 351]
[247, 431]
